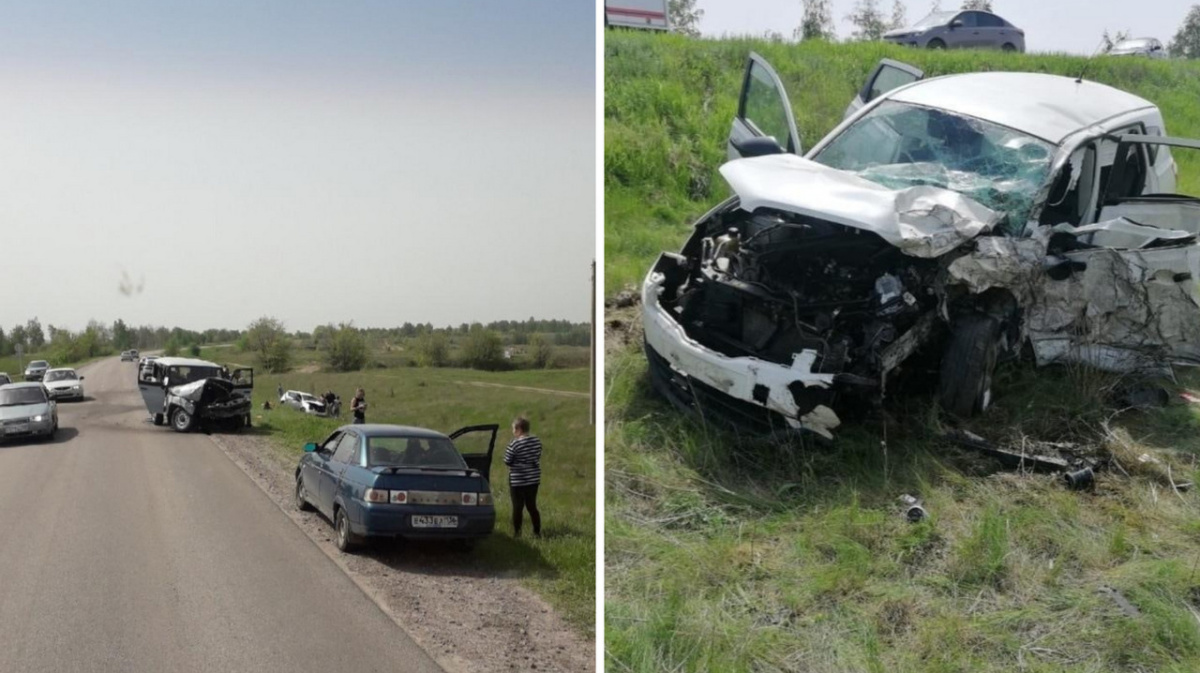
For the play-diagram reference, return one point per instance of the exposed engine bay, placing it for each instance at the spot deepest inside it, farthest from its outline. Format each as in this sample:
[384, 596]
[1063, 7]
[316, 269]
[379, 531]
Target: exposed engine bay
[770, 284]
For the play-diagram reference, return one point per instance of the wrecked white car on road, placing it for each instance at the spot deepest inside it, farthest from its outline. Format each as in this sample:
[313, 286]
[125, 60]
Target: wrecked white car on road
[944, 223]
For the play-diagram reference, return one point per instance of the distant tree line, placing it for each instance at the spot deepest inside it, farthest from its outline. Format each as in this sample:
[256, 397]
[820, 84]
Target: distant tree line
[60, 344]
[344, 347]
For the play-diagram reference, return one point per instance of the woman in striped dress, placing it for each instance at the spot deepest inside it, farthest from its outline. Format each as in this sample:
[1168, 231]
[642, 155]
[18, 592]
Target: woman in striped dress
[524, 460]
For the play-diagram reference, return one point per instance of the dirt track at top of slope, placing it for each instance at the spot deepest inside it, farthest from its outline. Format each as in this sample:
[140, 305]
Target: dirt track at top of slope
[466, 618]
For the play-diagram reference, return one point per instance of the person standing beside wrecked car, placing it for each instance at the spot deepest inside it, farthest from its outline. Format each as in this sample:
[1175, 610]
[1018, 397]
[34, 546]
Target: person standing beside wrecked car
[524, 460]
[359, 406]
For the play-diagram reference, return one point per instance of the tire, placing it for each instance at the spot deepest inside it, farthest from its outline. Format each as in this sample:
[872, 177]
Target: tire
[965, 387]
[345, 540]
[936, 43]
[182, 421]
[1008, 46]
[301, 503]
[247, 421]
[158, 419]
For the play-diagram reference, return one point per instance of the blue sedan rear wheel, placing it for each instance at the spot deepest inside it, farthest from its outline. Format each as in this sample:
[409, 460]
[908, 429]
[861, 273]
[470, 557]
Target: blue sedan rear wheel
[346, 541]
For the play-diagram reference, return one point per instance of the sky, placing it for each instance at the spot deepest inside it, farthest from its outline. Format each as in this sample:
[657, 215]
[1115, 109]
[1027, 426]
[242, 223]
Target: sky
[1073, 26]
[378, 162]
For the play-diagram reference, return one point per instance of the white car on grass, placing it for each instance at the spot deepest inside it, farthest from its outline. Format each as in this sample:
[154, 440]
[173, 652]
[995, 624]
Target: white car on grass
[942, 224]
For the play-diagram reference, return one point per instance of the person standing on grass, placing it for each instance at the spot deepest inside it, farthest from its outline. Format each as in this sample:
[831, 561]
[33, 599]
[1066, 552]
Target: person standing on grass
[359, 406]
[524, 460]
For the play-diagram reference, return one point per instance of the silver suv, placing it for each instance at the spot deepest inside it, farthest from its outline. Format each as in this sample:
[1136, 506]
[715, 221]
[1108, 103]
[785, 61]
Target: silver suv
[954, 29]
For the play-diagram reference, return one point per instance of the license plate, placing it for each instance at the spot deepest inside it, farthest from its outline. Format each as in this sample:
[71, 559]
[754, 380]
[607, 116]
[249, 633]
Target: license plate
[425, 521]
[16, 429]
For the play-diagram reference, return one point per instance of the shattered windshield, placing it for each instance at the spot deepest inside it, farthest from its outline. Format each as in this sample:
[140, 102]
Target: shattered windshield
[899, 145]
[935, 19]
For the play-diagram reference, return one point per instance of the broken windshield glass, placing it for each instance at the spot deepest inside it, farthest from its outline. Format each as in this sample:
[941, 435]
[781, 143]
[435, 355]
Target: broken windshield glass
[899, 145]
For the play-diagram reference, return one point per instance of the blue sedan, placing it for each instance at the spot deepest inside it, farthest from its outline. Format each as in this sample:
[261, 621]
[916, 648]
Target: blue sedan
[392, 481]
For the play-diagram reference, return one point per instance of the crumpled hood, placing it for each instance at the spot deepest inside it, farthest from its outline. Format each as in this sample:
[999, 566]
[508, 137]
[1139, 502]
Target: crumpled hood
[194, 391]
[923, 221]
[24, 410]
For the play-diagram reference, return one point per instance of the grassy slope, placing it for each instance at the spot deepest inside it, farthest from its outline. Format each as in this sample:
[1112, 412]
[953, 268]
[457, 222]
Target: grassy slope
[668, 102]
[724, 553]
[562, 565]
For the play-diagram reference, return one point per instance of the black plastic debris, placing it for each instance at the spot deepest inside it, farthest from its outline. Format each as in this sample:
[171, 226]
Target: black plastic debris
[1079, 480]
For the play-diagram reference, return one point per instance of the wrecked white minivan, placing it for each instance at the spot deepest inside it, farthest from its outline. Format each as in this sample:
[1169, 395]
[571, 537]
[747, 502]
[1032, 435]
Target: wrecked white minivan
[189, 393]
[953, 218]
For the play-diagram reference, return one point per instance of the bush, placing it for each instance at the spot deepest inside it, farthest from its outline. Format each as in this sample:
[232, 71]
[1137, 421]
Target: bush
[171, 349]
[194, 349]
[345, 348]
[541, 351]
[483, 349]
[267, 338]
[432, 350]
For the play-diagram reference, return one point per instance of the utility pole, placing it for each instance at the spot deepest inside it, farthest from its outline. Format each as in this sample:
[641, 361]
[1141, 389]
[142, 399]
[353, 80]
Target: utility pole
[592, 380]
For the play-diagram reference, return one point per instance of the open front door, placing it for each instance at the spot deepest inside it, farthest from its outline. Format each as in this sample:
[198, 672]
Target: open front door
[477, 443]
[1132, 192]
[243, 381]
[887, 75]
[764, 123]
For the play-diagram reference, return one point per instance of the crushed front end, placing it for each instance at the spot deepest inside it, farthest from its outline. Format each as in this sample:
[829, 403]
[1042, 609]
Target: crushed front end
[773, 319]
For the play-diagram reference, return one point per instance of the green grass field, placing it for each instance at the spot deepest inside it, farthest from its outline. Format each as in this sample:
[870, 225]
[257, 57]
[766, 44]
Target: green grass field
[562, 565]
[727, 553]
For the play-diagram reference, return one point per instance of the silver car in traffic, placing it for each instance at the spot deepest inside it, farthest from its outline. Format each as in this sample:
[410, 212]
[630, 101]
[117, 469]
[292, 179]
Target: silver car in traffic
[960, 29]
[26, 410]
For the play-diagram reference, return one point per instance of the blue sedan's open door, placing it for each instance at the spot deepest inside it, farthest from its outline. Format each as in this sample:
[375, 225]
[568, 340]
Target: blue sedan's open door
[477, 443]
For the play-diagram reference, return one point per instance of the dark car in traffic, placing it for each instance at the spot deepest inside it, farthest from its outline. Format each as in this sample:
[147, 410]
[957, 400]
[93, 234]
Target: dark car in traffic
[391, 481]
[36, 370]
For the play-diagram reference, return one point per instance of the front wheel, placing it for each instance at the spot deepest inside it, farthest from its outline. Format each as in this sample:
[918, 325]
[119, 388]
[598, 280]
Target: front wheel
[965, 387]
[346, 541]
[936, 43]
[1008, 46]
[302, 503]
[182, 421]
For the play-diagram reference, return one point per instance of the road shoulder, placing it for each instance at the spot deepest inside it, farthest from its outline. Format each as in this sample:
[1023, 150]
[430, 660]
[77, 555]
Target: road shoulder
[466, 618]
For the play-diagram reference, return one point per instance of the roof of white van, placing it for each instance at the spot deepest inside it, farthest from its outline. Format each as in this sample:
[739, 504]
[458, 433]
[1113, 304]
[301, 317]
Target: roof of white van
[185, 362]
[1050, 107]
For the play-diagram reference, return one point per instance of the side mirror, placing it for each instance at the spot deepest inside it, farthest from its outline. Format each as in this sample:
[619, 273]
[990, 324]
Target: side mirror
[757, 147]
[82, 378]
[310, 447]
[957, 23]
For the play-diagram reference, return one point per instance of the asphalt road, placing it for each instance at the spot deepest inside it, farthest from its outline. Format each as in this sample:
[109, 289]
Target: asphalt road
[129, 547]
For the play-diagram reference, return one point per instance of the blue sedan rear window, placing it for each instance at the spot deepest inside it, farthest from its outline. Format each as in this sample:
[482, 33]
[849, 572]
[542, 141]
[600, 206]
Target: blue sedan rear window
[436, 452]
